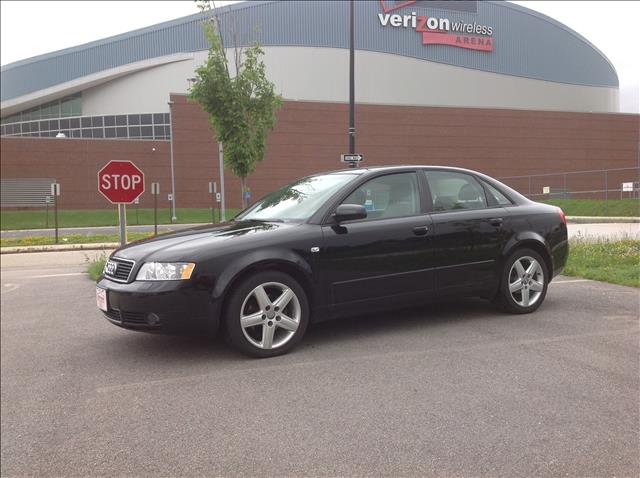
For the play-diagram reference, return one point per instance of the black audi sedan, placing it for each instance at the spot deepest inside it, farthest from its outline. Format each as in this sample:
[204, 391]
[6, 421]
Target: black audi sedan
[335, 244]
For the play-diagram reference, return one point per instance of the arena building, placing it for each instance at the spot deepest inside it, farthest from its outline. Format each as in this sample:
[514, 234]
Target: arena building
[487, 85]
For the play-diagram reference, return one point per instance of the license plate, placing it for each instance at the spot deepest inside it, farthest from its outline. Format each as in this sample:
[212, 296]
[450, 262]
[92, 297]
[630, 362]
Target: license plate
[101, 298]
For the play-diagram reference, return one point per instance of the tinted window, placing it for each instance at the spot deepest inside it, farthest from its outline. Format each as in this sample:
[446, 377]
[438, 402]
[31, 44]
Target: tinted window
[394, 195]
[299, 200]
[497, 196]
[453, 191]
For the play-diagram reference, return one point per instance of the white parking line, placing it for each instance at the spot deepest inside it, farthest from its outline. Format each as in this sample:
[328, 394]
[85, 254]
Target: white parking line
[571, 281]
[57, 275]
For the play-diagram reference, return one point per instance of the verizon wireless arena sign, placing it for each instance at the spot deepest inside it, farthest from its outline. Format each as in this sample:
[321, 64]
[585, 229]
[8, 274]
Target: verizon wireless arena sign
[437, 30]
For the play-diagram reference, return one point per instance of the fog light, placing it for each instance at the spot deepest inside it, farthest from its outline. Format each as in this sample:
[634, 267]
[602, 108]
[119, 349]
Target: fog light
[153, 319]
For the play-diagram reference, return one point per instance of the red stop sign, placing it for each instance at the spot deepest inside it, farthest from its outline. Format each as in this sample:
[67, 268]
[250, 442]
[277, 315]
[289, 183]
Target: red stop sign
[121, 181]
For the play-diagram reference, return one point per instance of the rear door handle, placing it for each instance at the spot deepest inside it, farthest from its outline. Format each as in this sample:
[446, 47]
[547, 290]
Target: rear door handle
[420, 230]
[496, 221]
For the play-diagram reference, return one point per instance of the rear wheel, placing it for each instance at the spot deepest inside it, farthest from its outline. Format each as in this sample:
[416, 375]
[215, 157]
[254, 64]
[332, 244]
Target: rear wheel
[524, 282]
[267, 314]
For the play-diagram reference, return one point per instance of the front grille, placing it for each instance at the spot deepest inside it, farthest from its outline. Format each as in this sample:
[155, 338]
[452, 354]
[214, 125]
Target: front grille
[113, 314]
[133, 318]
[123, 269]
[127, 318]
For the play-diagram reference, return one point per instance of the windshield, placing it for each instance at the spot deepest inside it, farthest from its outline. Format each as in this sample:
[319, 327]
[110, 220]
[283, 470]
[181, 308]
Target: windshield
[297, 201]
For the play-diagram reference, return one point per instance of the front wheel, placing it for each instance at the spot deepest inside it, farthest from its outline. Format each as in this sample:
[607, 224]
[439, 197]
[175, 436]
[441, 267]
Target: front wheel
[267, 314]
[524, 282]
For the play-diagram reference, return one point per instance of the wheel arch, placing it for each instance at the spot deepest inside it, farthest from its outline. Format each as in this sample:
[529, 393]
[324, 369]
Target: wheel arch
[532, 241]
[283, 261]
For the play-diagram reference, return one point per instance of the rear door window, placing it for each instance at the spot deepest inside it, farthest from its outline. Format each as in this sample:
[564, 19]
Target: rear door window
[453, 191]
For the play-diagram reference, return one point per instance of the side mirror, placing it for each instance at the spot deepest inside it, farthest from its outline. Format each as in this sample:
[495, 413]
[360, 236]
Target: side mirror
[349, 212]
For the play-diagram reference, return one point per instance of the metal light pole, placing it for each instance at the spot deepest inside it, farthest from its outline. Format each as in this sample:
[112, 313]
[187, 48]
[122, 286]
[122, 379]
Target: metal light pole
[55, 193]
[173, 176]
[352, 85]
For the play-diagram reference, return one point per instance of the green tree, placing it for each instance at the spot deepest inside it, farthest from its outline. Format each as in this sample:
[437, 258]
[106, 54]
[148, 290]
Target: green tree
[241, 108]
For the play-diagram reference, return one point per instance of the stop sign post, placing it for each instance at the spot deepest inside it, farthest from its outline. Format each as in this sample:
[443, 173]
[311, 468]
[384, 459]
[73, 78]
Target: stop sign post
[121, 182]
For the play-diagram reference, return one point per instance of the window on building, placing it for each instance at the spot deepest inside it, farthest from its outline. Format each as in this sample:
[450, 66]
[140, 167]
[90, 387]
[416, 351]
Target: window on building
[150, 126]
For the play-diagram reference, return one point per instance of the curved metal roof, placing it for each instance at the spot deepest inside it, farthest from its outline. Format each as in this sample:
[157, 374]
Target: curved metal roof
[526, 43]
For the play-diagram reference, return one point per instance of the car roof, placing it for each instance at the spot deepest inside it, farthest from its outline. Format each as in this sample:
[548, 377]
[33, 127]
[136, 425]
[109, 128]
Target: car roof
[362, 170]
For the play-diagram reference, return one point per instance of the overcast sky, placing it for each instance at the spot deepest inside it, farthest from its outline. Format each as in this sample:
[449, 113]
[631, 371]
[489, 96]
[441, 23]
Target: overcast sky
[30, 28]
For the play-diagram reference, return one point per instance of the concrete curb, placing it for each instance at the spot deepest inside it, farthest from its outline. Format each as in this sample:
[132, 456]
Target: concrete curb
[601, 220]
[104, 246]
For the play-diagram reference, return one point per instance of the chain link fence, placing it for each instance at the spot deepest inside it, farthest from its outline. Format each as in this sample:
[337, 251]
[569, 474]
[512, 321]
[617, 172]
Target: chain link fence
[598, 184]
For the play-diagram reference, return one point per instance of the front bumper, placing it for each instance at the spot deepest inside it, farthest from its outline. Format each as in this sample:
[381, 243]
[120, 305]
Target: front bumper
[163, 306]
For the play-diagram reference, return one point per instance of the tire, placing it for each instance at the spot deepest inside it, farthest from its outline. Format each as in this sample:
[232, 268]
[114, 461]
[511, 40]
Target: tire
[257, 324]
[523, 288]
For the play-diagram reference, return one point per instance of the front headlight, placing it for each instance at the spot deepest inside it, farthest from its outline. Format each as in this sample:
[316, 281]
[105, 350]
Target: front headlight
[165, 271]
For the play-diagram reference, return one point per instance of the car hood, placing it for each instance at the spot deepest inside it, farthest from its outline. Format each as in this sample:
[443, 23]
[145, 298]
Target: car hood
[191, 244]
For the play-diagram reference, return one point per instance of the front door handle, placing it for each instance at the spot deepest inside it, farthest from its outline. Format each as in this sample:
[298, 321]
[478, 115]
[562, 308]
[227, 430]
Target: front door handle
[496, 221]
[420, 230]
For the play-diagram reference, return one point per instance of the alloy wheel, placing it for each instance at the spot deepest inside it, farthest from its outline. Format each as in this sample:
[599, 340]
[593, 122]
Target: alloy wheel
[526, 281]
[270, 315]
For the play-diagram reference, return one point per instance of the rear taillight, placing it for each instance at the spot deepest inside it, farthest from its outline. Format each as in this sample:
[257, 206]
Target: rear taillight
[562, 216]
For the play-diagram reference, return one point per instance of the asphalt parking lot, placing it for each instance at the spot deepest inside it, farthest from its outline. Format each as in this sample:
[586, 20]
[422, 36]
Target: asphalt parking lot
[450, 389]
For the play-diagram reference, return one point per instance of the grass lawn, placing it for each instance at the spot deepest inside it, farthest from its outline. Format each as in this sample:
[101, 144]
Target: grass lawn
[617, 262]
[598, 207]
[37, 219]
[69, 239]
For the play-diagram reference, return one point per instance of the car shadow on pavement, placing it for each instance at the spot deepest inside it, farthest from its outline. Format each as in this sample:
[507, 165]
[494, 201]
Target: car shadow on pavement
[137, 347]
[401, 321]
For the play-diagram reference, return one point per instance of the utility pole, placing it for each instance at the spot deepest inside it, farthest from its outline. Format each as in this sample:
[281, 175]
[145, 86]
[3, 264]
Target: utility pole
[173, 174]
[352, 85]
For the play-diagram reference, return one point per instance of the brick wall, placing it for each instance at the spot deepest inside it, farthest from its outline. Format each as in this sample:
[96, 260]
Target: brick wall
[75, 163]
[309, 137]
